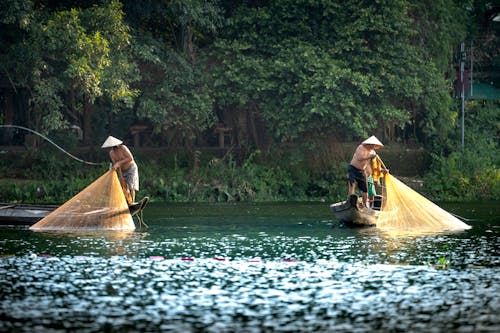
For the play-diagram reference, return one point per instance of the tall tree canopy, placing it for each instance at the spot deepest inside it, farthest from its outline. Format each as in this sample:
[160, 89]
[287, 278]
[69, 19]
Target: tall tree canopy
[71, 57]
[334, 66]
[176, 96]
[282, 69]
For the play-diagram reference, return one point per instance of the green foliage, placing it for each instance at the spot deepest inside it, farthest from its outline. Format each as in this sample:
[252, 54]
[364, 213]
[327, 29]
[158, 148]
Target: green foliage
[67, 57]
[53, 179]
[443, 261]
[41, 192]
[441, 26]
[178, 97]
[93, 52]
[308, 69]
[224, 180]
[304, 66]
[48, 103]
[333, 67]
[16, 12]
[44, 178]
[440, 118]
[181, 103]
[16, 54]
[471, 173]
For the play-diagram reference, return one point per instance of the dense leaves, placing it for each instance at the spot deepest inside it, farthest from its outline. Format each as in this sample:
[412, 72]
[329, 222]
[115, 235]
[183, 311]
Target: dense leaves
[282, 71]
[303, 67]
[352, 68]
[470, 173]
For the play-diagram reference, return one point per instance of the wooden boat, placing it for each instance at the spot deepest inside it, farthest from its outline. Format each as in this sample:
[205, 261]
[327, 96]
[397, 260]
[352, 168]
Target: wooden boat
[352, 212]
[26, 214]
[137, 207]
[23, 214]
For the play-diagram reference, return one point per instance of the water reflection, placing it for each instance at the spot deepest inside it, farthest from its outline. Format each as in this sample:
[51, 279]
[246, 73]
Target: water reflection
[415, 232]
[249, 269]
[92, 294]
[107, 235]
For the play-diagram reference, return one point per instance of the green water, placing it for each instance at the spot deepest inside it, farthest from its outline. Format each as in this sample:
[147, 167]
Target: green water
[252, 268]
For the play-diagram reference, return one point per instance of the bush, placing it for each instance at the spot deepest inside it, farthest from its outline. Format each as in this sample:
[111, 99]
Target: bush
[471, 173]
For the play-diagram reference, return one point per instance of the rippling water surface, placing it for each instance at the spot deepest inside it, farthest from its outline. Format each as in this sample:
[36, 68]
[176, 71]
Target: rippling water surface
[252, 268]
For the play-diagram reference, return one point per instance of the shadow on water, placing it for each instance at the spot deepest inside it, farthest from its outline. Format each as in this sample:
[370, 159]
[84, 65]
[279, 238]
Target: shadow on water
[252, 268]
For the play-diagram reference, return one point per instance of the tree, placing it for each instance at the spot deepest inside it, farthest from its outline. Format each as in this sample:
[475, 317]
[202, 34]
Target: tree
[176, 94]
[315, 67]
[441, 26]
[16, 17]
[85, 53]
[68, 58]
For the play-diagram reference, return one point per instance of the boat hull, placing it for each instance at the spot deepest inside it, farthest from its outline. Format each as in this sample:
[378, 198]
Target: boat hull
[138, 206]
[352, 213]
[25, 214]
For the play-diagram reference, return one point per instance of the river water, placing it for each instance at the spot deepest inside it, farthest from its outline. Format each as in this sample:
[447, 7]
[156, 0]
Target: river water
[252, 268]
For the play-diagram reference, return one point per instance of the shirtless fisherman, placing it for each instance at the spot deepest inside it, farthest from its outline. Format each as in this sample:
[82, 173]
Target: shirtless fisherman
[122, 158]
[361, 158]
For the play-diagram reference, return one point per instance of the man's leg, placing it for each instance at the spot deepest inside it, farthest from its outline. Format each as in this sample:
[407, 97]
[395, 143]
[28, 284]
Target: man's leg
[365, 198]
[351, 181]
[132, 180]
[351, 187]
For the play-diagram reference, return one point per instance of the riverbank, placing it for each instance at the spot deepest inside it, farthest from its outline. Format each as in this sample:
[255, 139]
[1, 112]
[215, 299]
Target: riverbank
[203, 175]
[168, 175]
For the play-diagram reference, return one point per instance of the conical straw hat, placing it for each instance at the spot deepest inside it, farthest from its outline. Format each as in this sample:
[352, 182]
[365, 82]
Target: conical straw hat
[372, 140]
[111, 141]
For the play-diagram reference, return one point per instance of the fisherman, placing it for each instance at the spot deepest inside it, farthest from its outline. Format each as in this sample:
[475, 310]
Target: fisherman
[360, 160]
[122, 159]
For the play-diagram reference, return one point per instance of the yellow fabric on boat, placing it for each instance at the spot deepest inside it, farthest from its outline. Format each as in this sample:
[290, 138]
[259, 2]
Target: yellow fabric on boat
[405, 211]
[376, 166]
[100, 206]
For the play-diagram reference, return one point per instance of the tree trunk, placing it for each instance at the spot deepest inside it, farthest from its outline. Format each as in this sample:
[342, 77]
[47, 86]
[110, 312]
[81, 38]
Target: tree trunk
[253, 129]
[88, 110]
[8, 116]
[187, 42]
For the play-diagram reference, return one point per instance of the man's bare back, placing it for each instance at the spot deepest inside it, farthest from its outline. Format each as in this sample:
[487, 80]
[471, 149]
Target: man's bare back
[121, 157]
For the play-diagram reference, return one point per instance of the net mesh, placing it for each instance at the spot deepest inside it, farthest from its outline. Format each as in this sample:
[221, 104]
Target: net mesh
[100, 206]
[405, 211]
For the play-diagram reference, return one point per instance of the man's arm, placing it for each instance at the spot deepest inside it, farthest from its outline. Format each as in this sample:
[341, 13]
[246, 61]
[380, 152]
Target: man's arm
[364, 154]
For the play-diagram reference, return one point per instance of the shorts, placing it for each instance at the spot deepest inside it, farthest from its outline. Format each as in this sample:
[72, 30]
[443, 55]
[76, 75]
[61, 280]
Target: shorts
[131, 177]
[357, 176]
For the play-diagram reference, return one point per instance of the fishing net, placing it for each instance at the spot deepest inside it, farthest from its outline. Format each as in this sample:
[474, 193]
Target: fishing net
[405, 211]
[100, 206]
